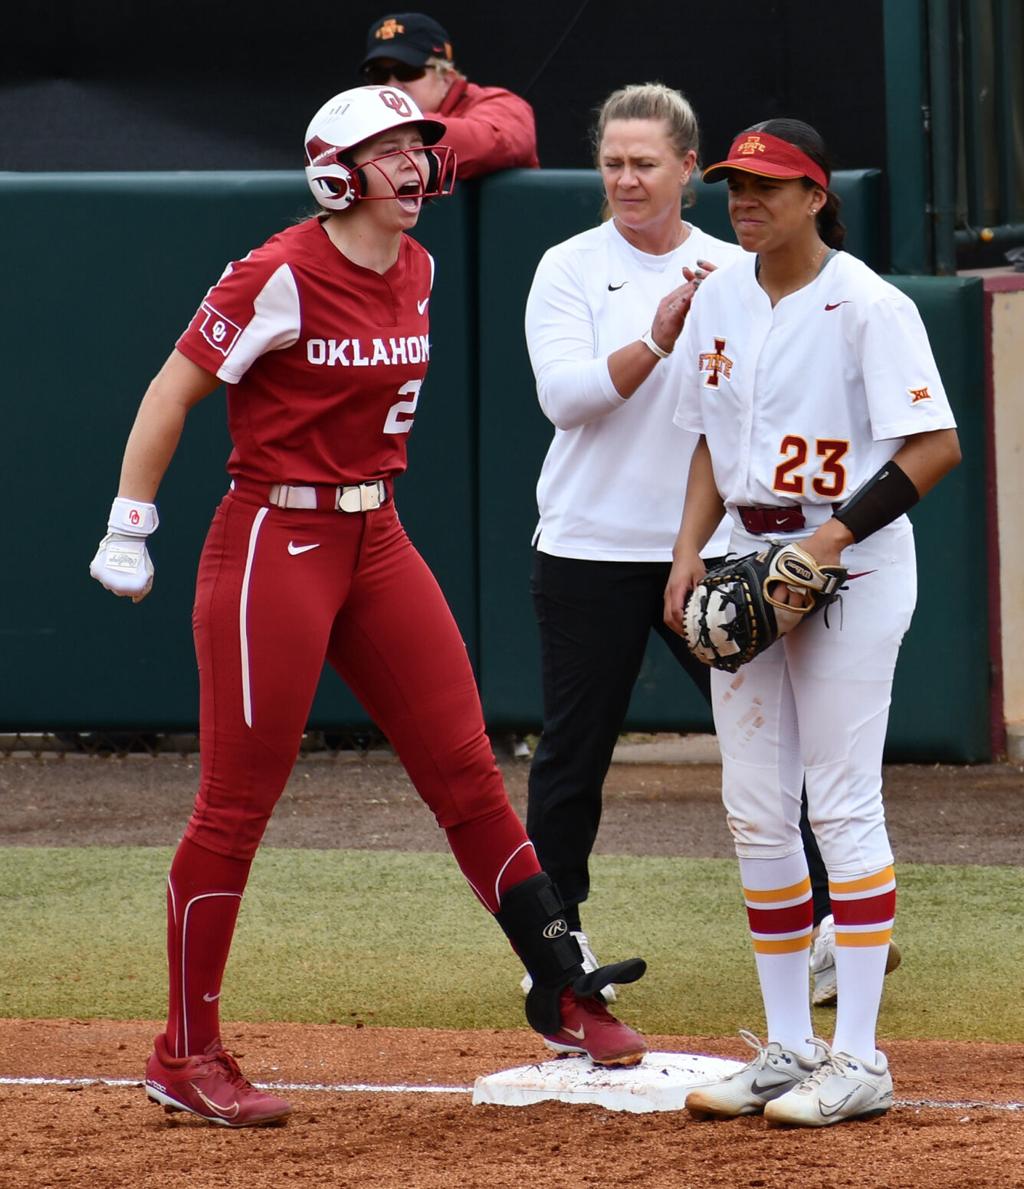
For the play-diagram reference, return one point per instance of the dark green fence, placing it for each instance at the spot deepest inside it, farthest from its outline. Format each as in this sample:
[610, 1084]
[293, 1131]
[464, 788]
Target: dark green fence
[955, 117]
[103, 272]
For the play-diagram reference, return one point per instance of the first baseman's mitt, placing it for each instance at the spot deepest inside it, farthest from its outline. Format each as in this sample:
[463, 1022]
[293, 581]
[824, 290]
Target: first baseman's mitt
[730, 615]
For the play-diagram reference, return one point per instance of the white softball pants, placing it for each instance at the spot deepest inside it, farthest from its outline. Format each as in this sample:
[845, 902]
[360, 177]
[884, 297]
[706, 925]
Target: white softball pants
[815, 706]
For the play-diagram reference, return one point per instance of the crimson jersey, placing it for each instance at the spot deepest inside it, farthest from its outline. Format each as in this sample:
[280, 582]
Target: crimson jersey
[323, 360]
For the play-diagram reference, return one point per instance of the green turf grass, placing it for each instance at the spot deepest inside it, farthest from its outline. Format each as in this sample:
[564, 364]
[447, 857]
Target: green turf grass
[398, 939]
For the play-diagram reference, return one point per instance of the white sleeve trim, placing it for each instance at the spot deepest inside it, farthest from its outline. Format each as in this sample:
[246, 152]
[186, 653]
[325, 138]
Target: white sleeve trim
[275, 324]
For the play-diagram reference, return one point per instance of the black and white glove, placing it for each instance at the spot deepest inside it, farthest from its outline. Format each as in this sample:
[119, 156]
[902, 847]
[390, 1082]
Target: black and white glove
[122, 563]
[732, 614]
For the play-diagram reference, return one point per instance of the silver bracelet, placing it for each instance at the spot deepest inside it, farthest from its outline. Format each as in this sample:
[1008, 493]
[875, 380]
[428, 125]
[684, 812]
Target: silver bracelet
[648, 341]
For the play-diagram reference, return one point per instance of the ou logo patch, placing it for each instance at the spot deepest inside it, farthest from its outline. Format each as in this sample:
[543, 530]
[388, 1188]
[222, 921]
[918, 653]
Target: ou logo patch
[134, 517]
[218, 330]
[398, 102]
[556, 929]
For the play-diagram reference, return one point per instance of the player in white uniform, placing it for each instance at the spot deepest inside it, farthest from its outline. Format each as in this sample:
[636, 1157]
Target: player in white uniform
[823, 418]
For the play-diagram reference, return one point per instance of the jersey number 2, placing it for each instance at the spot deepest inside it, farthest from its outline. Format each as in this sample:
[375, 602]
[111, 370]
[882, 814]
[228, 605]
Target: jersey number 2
[831, 478]
[400, 415]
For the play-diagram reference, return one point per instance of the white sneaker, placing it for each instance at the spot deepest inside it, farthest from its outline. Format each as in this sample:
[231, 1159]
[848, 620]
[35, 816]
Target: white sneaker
[824, 991]
[589, 963]
[773, 1072]
[823, 965]
[842, 1087]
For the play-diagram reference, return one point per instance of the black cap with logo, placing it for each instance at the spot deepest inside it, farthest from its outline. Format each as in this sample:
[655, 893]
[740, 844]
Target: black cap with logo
[409, 37]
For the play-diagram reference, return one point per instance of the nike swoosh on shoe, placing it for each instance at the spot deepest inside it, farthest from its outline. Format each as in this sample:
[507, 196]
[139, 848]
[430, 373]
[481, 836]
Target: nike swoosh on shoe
[828, 1109]
[226, 1112]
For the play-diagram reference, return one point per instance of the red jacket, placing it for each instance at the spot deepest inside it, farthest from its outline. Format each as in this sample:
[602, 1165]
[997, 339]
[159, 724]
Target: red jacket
[489, 128]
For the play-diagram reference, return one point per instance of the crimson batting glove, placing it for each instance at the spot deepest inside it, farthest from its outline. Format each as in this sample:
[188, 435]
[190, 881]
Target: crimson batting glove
[122, 562]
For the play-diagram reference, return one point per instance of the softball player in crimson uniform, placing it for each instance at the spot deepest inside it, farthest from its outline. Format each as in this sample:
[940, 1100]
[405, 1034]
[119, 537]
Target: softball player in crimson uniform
[823, 419]
[321, 337]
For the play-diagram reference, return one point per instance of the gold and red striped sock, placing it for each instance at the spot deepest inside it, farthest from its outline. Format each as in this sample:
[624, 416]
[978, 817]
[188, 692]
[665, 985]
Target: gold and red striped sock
[780, 913]
[863, 908]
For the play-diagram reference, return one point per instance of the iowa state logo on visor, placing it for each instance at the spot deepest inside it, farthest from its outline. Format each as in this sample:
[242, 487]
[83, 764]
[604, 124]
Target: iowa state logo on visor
[750, 146]
[716, 363]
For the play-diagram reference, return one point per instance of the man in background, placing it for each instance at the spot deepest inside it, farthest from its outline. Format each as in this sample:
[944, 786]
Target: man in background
[488, 127]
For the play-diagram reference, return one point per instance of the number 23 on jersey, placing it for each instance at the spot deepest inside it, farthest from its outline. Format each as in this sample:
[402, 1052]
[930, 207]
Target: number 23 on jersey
[830, 479]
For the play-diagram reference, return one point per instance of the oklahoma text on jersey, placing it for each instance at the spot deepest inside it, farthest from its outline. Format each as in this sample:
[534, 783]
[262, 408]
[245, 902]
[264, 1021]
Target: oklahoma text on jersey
[368, 352]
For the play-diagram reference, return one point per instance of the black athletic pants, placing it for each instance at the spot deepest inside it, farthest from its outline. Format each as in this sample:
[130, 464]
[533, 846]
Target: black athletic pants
[595, 618]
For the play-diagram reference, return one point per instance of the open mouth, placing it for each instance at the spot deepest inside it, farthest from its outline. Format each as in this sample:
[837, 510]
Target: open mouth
[409, 196]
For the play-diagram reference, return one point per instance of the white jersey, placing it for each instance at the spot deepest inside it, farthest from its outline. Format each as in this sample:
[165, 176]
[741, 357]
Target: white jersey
[614, 479]
[803, 402]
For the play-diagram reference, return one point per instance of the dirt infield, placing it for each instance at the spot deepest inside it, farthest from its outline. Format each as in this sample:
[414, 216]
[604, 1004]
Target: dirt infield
[102, 1137]
[936, 813]
[951, 1125]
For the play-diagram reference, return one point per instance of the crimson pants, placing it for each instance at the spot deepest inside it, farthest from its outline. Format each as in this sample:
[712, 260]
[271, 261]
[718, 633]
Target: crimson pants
[278, 592]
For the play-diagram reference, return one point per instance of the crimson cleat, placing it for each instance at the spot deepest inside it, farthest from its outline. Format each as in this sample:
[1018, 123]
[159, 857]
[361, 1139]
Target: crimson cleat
[588, 1027]
[211, 1086]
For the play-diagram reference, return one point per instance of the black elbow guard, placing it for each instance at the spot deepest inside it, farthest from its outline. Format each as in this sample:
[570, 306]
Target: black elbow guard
[886, 495]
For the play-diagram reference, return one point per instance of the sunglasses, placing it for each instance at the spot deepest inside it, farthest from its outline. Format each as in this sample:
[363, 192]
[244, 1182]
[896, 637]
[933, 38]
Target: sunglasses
[378, 73]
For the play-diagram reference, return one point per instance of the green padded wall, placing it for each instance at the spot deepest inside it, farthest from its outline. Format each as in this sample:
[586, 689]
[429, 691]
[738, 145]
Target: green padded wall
[521, 214]
[102, 272]
[941, 706]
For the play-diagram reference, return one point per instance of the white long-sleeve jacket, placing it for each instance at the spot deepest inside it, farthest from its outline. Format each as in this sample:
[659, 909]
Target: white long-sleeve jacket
[614, 479]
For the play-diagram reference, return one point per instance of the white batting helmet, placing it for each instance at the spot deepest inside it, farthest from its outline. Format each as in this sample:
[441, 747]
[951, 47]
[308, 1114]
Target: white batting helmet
[359, 114]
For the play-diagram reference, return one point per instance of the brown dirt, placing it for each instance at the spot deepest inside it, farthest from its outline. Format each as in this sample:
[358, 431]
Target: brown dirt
[106, 1136]
[936, 814]
[101, 1136]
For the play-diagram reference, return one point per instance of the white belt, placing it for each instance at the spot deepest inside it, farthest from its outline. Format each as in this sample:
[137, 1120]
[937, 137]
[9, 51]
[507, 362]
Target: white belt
[363, 497]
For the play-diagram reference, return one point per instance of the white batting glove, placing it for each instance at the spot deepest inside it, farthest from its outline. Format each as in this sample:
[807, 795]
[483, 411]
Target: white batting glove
[122, 562]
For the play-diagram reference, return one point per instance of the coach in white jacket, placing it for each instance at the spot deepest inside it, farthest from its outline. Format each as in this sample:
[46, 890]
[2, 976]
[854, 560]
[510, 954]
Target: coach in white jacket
[602, 319]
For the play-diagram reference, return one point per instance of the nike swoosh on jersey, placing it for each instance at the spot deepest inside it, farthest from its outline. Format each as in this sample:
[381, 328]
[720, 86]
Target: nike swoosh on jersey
[616, 288]
[837, 304]
[422, 305]
[579, 1033]
[295, 550]
[859, 574]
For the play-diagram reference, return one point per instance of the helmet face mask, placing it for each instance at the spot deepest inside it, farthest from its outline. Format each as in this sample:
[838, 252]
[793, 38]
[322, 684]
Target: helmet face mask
[337, 184]
[363, 114]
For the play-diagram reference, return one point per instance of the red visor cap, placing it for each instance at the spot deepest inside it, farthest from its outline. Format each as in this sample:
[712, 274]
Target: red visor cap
[767, 156]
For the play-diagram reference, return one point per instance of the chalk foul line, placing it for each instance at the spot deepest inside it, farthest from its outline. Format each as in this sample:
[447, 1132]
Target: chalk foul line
[367, 1088]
